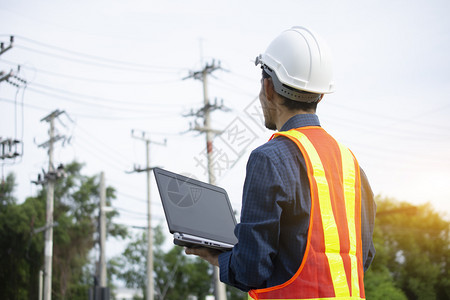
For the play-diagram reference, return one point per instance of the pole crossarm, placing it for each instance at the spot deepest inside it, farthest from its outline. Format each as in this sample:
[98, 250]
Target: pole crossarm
[2, 45]
[137, 169]
[52, 115]
[145, 136]
[4, 76]
[208, 69]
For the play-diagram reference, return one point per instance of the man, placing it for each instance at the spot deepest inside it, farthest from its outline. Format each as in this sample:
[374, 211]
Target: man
[307, 211]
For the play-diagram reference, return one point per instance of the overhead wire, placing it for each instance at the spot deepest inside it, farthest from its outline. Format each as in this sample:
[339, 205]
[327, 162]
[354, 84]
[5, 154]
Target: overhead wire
[139, 199]
[401, 135]
[138, 215]
[154, 114]
[101, 157]
[231, 87]
[94, 63]
[89, 79]
[391, 131]
[81, 115]
[108, 155]
[129, 211]
[108, 100]
[411, 120]
[97, 58]
[25, 105]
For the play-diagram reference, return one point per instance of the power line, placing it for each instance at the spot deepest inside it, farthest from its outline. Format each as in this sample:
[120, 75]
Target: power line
[86, 79]
[105, 156]
[112, 163]
[96, 64]
[91, 104]
[118, 155]
[98, 58]
[140, 215]
[396, 119]
[131, 212]
[392, 131]
[108, 100]
[235, 89]
[96, 116]
[135, 198]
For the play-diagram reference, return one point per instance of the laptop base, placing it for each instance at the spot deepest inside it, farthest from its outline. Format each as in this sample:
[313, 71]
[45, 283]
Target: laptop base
[189, 241]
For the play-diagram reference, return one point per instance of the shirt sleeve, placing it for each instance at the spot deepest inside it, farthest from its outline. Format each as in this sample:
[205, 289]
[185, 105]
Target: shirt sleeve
[368, 211]
[250, 263]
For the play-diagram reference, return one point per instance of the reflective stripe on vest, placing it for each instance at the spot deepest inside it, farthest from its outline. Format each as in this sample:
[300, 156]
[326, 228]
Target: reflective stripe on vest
[332, 264]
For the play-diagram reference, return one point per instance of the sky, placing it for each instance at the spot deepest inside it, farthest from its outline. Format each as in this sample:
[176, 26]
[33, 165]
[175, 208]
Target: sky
[114, 66]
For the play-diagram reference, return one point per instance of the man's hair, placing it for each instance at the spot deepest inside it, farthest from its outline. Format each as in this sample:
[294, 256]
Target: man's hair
[292, 104]
[297, 105]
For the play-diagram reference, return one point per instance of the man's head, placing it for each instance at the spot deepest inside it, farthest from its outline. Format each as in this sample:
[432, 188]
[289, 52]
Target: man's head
[276, 106]
[297, 71]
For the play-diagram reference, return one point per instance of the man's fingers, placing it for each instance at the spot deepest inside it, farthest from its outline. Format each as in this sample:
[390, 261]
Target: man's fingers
[207, 254]
[196, 251]
[189, 250]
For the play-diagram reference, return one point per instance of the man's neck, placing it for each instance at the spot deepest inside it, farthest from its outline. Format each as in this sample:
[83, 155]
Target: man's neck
[287, 114]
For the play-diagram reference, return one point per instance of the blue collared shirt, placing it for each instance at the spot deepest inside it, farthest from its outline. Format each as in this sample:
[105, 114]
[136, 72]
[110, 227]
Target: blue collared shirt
[276, 204]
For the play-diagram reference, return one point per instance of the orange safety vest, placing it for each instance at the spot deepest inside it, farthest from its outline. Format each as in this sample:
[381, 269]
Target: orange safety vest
[332, 266]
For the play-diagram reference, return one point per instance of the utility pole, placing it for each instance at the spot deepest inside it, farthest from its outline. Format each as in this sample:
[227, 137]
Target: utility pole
[101, 292]
[7, 144]
[219, 287]
[52, 176]
[3, 75]
[102, 231]
[144, 136]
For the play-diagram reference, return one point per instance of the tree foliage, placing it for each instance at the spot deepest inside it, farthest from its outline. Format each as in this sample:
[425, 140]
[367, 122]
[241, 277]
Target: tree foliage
[20, 251]
[76, 208]
[412, 243]
[413, 252]
[175, 275]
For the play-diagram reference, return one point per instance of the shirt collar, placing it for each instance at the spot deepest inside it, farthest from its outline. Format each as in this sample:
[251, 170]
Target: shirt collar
[301, 120]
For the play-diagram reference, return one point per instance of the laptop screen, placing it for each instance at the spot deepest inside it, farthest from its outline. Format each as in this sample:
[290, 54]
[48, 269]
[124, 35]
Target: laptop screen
[196, 208]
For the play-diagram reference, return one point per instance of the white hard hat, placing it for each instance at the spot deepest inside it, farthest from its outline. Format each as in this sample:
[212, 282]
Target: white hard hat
[301, 60]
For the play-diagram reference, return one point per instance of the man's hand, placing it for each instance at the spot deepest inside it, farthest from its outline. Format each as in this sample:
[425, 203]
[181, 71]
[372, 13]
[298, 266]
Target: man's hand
[210, 255]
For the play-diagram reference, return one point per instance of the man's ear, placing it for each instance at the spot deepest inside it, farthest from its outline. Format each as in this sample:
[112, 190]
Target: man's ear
[320, 99]
[268, 88]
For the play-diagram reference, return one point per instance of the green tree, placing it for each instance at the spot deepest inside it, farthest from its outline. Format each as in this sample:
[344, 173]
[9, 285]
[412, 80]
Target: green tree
[413, 251]
[76, 204]
[378, 281]
[20, 251]
[176, 276]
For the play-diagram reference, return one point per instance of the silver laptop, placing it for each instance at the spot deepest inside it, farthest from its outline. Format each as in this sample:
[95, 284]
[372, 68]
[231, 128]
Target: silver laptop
[198, 214]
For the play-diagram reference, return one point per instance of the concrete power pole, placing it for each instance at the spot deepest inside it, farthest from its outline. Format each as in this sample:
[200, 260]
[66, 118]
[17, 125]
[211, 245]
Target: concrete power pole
[102, 231]
[49, 207]
[144, 136]
[219, 287]
[100, 291]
